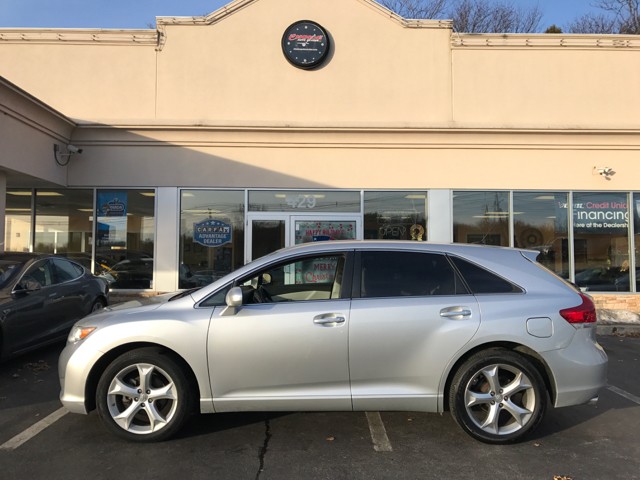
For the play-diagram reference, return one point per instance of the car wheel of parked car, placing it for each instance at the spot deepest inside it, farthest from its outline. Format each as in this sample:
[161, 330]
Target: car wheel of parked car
[497, 396]
[97, 305]
[144, 395]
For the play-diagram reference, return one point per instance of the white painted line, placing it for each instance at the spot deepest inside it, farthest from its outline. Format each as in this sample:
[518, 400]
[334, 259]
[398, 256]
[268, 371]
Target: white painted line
[34, 430]
[379, 437]
[622, 393]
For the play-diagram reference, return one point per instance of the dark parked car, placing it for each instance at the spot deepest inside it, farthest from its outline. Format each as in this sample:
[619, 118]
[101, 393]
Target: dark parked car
[41, 296]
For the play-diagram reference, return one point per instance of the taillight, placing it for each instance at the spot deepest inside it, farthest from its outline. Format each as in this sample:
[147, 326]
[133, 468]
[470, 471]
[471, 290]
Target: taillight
[583, 313]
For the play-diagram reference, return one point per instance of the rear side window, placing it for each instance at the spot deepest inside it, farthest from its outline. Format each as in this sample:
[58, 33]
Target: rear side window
[481, 281]
[66, 270]
[402, 274]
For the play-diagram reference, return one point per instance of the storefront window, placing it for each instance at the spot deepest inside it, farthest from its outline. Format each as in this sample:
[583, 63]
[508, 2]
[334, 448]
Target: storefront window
[211, 235]
[395, 215]
[601, 241]
[303, 201]
[17, 226]
[125, 236]
[64, 223]
[540, 223]
[635, 208]
[481, 217]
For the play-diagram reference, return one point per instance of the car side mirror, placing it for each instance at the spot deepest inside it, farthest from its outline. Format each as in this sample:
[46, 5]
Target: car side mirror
[233, 301]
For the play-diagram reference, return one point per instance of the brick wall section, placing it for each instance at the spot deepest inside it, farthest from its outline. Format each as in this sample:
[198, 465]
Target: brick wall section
[628, 302]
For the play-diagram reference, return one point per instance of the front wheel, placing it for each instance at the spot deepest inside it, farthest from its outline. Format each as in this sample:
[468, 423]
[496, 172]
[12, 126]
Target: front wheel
[497, 396]
[144, 396]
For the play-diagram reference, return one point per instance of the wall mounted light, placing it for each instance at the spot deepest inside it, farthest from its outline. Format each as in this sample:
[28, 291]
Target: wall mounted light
[62, 159]
[606, 172]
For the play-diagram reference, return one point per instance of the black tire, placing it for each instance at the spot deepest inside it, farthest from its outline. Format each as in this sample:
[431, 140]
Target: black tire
[99, 304]
[498, 396]
[151, 385]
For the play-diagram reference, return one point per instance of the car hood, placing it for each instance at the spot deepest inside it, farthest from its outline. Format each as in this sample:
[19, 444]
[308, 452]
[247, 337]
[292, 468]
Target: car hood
[131, 310]
[154, 302]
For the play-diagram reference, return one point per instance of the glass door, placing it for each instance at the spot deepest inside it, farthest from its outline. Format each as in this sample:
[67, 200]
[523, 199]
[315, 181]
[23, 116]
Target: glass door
[268, 232]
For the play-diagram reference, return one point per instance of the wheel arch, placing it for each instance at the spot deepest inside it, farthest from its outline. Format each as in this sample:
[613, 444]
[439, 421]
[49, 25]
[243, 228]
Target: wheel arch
[534, 357]
[99, 367]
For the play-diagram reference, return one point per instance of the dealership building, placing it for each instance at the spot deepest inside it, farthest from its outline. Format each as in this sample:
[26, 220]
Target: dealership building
[166, 157]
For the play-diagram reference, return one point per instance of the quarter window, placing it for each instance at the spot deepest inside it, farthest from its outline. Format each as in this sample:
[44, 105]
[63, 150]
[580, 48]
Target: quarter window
[407, 274]
[67, 271]
[481, 281]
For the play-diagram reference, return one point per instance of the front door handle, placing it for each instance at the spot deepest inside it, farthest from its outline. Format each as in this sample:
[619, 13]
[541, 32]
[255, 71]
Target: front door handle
[329, 319]
[455, 313]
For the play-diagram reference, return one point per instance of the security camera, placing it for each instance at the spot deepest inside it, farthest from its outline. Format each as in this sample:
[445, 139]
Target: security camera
[73, 149]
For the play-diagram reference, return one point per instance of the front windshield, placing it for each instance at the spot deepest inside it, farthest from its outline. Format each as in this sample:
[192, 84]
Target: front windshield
[8, 270]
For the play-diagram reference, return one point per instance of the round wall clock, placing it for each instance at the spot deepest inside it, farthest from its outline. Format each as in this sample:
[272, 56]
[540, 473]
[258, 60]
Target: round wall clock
[305, 44]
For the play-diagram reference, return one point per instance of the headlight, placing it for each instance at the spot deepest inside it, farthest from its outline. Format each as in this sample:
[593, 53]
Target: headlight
[79, 333]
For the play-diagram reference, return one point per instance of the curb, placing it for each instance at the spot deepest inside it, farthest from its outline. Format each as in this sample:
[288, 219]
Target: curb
[619, 329]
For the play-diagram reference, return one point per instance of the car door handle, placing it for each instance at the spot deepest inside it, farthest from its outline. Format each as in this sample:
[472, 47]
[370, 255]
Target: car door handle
[329, 319]
[455, 312]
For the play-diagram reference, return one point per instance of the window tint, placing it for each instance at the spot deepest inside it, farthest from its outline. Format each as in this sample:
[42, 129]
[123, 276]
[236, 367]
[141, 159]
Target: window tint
[399, 274]
[66, 270]
[308, 278]
[41, 273]
[480, 280]
[218, 299]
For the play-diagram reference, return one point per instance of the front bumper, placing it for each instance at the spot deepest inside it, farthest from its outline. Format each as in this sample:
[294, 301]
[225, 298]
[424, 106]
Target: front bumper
[74, 367]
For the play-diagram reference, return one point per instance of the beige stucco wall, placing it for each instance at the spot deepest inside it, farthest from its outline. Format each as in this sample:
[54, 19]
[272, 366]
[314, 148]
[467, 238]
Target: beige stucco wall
[234, 73]
[212, 102]
[28, 131]
[354, 159]
[562, 87]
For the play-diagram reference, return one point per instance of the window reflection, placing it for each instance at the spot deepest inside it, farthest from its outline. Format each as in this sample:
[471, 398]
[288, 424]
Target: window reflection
[601, 241]
[481, 217]
[64, 221]
[125, 236]
[17, 227]
[303, 201]
[540, 223]
[211, 235]
[395, 215]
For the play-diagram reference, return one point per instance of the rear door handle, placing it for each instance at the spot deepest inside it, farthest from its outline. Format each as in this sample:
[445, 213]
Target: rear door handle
[329, 319]
[455, 313]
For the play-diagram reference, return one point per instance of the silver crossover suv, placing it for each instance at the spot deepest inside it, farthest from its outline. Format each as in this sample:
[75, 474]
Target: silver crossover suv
[484, 332]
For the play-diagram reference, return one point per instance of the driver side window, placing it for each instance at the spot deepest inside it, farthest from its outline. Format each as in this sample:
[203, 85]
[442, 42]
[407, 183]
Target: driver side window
[39, 275]
[304, 279]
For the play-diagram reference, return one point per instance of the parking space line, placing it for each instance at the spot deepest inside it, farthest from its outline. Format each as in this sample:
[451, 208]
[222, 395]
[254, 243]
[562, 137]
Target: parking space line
[379, 437]
[34, 430]
[622, 393]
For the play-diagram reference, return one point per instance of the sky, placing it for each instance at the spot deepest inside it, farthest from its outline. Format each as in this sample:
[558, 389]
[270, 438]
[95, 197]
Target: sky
[142, 13]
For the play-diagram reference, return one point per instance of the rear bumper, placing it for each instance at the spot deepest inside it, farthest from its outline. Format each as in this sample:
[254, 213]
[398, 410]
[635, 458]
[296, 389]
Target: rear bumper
[579, 371]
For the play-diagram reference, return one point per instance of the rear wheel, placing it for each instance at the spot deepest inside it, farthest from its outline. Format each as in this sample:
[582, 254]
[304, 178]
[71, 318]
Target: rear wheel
[497, 396]
[144, 396]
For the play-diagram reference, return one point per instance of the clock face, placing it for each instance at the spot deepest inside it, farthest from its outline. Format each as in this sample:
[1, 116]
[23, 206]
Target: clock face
[305, 44]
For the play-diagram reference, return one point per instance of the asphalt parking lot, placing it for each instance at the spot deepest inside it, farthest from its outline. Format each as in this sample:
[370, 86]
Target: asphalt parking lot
[39, 440]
